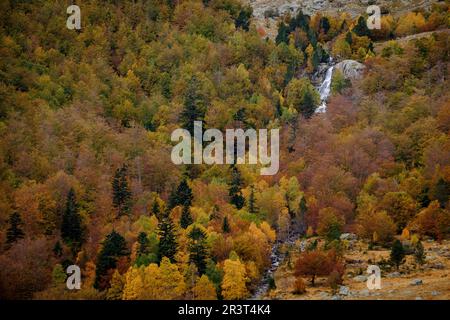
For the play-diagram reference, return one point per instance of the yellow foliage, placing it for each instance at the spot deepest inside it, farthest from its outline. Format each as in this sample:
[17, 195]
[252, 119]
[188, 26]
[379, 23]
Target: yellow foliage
[234, 280]
[204, 289]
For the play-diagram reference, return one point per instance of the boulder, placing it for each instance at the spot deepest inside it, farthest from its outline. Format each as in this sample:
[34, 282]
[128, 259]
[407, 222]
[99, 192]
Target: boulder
[416, 282]
[344, 291]
[351, 69]
[360, 278]
[348, 236]
[393, 274]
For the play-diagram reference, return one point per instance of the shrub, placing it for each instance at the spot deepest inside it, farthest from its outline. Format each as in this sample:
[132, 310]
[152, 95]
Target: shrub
[299, 286]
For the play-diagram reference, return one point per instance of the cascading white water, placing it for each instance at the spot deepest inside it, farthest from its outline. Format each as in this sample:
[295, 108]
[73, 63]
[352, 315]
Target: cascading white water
[324, 91]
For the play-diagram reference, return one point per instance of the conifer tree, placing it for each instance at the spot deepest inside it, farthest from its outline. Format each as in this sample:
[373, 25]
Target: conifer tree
[283, 34]
[235, 192]
[186, 218]
[243, 19]
[225, 225]
[181, 196]
[361, 28]
[419, 253]
[114, 247]
[194, 105]
[198, 252]
[14, 231]
[121, 191]
[71, 229]
[167, 240]
[57, 249]
[156, 210]
[302, 207]
[251, 201]
[397, 253]
[143, 243]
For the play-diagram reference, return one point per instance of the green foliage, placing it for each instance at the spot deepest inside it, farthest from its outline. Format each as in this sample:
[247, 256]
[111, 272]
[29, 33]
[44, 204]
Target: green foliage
[225, 225]
[182, 196]
[302, 96]
[419, 253]
[121, 192]
[186, 217]
[235, 190]
[71, 228]
[14, 231]
[397, 254]
[167, 239]
[114, 247]
[198, 252]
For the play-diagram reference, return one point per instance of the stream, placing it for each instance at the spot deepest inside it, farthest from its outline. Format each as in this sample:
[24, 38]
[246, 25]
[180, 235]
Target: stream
[277, 257]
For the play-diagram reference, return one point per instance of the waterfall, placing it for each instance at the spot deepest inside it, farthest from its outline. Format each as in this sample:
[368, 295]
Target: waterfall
[324, 91]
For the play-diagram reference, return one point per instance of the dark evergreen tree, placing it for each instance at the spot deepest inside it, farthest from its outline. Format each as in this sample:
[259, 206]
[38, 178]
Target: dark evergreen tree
[243, 19]
[301, 21]
[225, 225]
[113, 248]
[324, 25]
[283, 34]
[194, 105]
[251, 201]
[236, 185]
[302, 208]
[57, 249]
[186, 218]
[349, 38]
[143, 243]
[121, 191]
[71, 228]
[312, 37]
[361, 28]
[167, 240]
[156, 210]
[442, 192]
[307, 107]
[14, 231]
[397, 253]
[181, 196]
[198, 252]
[419, 253]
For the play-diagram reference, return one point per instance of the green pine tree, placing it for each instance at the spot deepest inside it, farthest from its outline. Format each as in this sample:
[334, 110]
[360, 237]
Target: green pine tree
[14, 231]
[198, 252]
[156, 210]
[121, 191]
[251, 201]
[283, 34]
[235, 192]
[361, 28]
[397, 254]
[194, 105]
[225, 225]
[186, 218]
[181, 196]
[143, 243]
[57, 249]
[302, 208]
[167, 240]
[243, 19]
[419, 253]
[114, 247]
[71, 228]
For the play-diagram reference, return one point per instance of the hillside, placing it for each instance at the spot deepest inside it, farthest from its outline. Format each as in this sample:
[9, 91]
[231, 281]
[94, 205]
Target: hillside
[88, 178]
